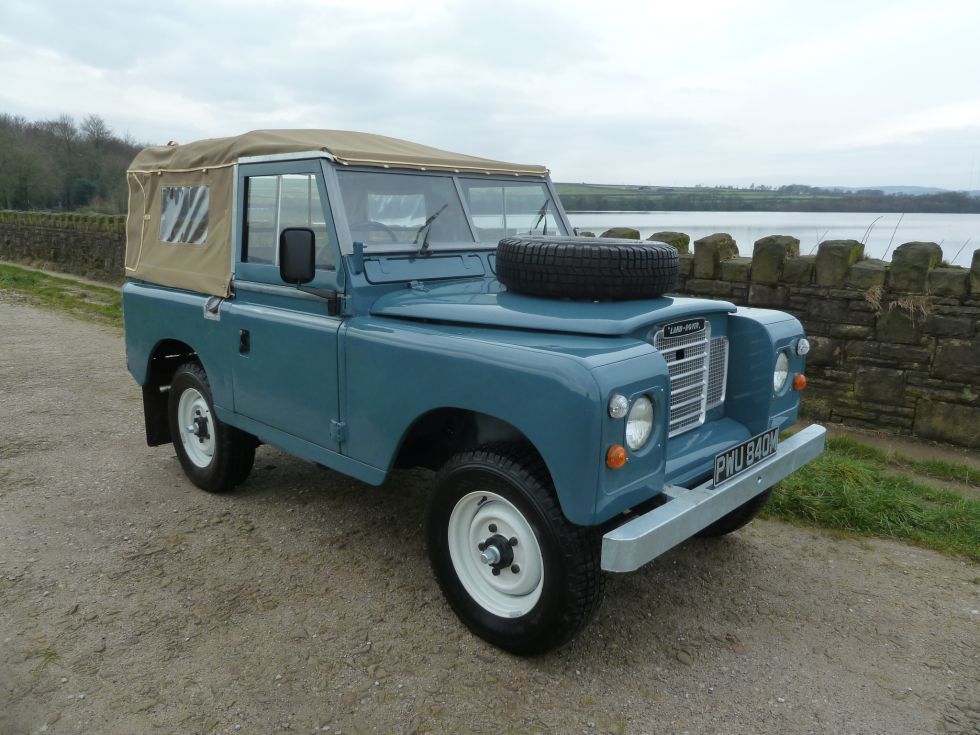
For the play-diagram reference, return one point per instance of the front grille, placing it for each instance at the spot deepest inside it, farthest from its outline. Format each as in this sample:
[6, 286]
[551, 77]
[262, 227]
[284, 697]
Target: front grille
[697, 366]
[717, 371]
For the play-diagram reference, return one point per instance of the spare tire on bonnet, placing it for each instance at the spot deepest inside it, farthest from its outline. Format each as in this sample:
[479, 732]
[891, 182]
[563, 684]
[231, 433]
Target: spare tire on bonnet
[586, 268]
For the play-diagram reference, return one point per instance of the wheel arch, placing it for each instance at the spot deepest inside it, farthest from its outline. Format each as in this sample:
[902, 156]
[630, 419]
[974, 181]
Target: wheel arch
[440, 433]
[166, 356]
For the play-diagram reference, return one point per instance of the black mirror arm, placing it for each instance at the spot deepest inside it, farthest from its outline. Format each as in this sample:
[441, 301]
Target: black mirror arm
[329, 295]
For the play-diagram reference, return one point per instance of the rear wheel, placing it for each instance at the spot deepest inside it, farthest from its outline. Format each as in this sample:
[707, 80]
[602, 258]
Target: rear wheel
[514, 570]
[214, 456]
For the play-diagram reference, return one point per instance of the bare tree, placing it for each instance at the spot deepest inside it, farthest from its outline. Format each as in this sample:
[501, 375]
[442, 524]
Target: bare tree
[96, 131]
[64, 129]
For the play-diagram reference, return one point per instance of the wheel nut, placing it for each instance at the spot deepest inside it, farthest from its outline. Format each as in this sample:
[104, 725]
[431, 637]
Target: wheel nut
[493, 528]
[495, 572]
[515, 568]
[481, 546]
[513, 541]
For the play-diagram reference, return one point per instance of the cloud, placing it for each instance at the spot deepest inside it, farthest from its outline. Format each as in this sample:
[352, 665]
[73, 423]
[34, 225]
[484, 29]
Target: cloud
[645, 92]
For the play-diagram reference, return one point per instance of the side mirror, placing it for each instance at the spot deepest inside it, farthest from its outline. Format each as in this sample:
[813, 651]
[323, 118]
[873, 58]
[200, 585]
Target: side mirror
[297, 255]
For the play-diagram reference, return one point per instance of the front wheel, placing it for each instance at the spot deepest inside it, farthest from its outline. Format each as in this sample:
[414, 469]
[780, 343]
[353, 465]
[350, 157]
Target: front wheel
[514, 570]
[214, 456]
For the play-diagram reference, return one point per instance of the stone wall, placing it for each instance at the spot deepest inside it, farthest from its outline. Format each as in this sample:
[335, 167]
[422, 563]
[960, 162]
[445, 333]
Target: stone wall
[895, 346]
[92, 246]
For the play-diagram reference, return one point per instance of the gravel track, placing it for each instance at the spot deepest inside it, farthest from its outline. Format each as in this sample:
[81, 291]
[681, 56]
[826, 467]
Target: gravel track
[131, 602]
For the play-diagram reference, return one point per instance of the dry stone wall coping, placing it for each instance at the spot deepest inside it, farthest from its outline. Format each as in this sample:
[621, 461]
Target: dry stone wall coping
[834, 260]
[911, 264]
[710, 251]
[622, 233]
[680, 240]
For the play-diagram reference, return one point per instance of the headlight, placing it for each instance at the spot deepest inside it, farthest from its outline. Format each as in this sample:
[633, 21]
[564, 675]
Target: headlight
[781, 372]
[639, 423]
[803, 346]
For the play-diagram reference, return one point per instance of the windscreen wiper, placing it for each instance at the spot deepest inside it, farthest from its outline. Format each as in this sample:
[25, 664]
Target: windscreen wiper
[541, 216]
[427, 228]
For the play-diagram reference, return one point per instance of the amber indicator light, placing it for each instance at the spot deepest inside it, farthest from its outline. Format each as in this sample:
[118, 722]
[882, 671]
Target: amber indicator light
[616, 456]
[799, 381]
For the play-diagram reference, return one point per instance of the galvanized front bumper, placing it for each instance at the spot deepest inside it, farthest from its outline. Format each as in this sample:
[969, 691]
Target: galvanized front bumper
[646, 537]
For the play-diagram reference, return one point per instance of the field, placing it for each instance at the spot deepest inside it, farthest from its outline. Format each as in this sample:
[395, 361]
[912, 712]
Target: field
[596, 197]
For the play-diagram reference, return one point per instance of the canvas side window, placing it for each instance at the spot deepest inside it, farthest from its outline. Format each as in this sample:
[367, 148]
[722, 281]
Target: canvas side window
[277, 202]
[184, 214]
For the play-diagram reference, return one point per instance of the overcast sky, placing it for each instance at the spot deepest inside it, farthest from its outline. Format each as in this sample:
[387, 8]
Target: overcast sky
[766, 91]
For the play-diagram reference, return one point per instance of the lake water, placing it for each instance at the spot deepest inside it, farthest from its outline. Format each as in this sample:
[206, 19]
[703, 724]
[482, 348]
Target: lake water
[951, 231]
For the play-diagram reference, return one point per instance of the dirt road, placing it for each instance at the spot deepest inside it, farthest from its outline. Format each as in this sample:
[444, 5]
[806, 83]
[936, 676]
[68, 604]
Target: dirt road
[130, 602]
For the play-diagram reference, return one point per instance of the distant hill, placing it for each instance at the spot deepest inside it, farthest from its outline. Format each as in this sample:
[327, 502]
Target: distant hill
[912, 190]
[582, 197]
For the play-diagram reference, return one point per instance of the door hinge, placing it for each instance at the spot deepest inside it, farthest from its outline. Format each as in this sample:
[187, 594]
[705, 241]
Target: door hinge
[338, 431]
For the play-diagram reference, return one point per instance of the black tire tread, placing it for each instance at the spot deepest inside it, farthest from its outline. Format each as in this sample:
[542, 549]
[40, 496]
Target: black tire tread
[234, 451]
[579, 544]
[587, 268]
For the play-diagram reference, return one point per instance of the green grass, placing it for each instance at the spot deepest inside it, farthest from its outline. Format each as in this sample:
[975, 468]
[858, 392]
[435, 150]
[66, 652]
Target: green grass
[937, 468]
[854, 489]
[97, 303]
[47, 656]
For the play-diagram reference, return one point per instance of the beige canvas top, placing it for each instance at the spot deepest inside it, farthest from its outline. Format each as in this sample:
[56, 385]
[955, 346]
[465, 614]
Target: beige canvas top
[361, 149]
[206, 266]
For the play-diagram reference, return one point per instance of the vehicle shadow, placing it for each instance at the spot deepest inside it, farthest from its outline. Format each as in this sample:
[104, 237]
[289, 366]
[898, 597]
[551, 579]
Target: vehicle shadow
[700, 593]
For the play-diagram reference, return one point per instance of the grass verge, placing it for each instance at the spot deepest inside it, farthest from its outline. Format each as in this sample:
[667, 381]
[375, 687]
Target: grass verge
[96, 303]
[851, 488]
[940, 469]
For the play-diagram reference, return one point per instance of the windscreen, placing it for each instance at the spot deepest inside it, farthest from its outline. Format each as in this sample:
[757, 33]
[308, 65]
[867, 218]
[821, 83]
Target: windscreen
[389, 211]
[511, 208]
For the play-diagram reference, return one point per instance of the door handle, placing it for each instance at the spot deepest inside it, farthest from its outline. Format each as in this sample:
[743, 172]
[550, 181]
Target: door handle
[244, 341]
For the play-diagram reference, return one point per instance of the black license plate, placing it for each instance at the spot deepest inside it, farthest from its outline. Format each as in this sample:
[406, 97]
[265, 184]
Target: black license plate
[743, 456]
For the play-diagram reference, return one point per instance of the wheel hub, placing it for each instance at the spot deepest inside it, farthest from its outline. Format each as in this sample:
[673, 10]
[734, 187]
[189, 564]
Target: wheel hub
[197, 438]
[497, 552]
[199, 428]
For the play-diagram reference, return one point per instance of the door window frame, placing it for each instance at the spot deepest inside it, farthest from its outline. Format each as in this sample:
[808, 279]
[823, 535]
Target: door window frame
[331, 278]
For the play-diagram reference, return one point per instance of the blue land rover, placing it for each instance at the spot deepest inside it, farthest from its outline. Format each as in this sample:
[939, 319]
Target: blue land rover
[367, 303]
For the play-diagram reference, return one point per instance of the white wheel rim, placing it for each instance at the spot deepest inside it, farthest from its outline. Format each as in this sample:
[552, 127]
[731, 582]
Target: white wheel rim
[196, 427]
[508, 594]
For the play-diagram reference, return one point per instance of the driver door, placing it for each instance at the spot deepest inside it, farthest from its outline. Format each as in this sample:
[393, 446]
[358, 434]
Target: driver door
[286, 370]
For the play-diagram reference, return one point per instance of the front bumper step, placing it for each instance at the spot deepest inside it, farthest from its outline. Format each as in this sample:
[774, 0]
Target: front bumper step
[644, 538]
